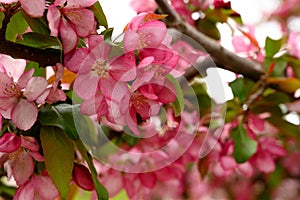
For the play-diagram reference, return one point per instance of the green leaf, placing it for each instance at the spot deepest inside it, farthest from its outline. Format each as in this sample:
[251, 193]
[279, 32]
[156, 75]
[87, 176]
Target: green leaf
[61, 116]
[101, 191]
[59, 157]
[244, 146]
[284, 127]
[178, 104]
[99, 14]
[38, 71]
[209, 28]
[272, 46]
[17, 25]
[1, 18]
[241, 88]
[40, 41]
[38, 25]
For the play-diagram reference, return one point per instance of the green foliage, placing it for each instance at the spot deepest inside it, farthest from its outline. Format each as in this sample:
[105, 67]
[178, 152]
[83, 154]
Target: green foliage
[38, 71]
[272, 47]
[99, 14]
[242, 88]
[178, 105]
[209, 28]
[62, 116]
[37, 25]
[40, 41]
[244, 146]
[101, 191]
[59, 157]
[16, 26]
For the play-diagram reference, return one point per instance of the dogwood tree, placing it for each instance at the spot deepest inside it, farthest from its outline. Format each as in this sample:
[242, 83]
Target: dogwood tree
[81, 110]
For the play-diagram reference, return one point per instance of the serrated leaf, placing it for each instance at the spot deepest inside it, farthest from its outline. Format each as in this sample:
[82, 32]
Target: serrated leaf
[272, 46]
[99, 14]
[17, 25]
[178, 104]
[62, 116]
[38, 25]
[244, 146]
[40, 41]
[59, 157]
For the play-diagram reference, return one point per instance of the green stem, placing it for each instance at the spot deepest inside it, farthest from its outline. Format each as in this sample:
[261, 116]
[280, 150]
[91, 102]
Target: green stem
[101, 191]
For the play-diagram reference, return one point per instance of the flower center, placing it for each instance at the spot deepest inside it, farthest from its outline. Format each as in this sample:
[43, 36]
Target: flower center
[100, 68]
[12, 89]
[144, 40]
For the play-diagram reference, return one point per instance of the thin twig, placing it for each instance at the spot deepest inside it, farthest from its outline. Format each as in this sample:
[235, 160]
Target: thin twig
[228, 60]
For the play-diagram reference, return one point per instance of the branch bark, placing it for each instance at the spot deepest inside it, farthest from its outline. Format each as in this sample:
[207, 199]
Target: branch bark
[224, 58]
[45, 57]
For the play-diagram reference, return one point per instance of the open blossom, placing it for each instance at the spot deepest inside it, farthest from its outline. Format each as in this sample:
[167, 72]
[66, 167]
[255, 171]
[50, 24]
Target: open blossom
[38, 187]
[71, 21]
[17, 154]
[144, 32]
[143, 6]
[33, 8]
[22, 111]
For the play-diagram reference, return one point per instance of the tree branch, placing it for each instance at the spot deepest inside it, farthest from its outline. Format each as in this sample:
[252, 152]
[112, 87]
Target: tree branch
[45, 57]
[225, 58]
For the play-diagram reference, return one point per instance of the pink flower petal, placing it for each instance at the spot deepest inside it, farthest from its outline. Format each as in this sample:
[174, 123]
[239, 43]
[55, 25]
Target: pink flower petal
[34, 8]
[4, 81]
[265, 163]
[13, 67]
[74, 60]
[9, 142]
[148, 179]
[124, 68]
[68, 36]
[7, 103]
[90, 106]
[8, 1]
[80, 4]
[35, 88]
[24, 78]
[45, 187]
[25, 192]
[83, 19]
[86, 85]
[227, 162]
[23, 167]
[24, 114]
[53, 17]
[30, 143]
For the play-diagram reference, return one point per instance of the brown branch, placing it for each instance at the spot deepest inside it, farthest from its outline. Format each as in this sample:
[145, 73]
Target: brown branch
[45, 57]
[224, 58]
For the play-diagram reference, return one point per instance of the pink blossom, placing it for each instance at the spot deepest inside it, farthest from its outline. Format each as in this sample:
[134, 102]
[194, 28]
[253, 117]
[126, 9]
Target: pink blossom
[71, 21]
[55, 93]
[188, 57]
[181, 8]
[143, 6]
[38, 187]
[268, 150]
[19, 153]
[33, 8]
[13, 106]
[293, 44]
[142, 32]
